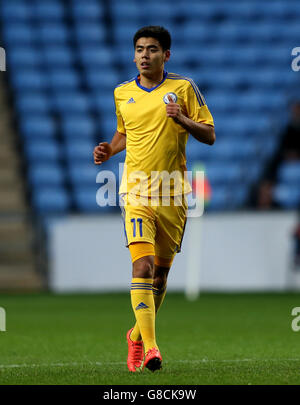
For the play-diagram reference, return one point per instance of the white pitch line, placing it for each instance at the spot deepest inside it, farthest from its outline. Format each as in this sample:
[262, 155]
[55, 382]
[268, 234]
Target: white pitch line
[97, 363]
[229, 360]
[74, 364]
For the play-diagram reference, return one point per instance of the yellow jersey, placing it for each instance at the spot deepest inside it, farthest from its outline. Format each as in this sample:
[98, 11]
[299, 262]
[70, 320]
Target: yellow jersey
[155, 143]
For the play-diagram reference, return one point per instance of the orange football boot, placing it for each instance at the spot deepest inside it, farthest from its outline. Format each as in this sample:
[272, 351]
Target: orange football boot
[135, 353]
[153, 360]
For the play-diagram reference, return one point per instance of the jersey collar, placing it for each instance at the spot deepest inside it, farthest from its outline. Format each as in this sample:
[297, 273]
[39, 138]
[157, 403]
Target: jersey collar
[153, 88]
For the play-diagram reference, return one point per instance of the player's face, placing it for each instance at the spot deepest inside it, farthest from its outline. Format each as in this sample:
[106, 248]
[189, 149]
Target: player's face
[149, 56]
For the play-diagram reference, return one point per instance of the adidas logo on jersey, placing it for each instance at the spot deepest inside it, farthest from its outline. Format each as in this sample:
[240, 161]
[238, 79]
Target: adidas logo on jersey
[131, 100]
[141, 306]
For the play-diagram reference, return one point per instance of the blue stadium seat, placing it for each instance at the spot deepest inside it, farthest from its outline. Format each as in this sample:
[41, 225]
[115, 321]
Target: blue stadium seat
[53, 33]
[268, 31]
[243, 124]
[289, 173]
[83, 173]
[57, 55]
[86, 200]
[224, 79]
[24, 56]
[190, 73]
[258, 101]
[273, 79]
[89, 32]
[45, 174]
[234, 32]
[46, 150]
[39, 126]
[233, 149]
[279, 56]
[242, 55]
[196, 151]
[96, 56]
[287, 196]
[251, 169]
[70, 102]
[32, 102]
[269, 145]
[219, 199]
[203, 11]
[259, 125]
[107, 126]
[15, 11]
[218, 173]
[214, 55]
[61, 78]
[227, 197]
[104, 102]
[130, 72]
[124, 54]
[102, 79]
[51, 200]
[192, 32]
[124, 31]
[130, 11]
[49, 10]
[238, 196]
[177, 65]
[159, 11]
[29, 79]
[18, 33]
[79, 150]
[279, 10]
[222, 101]
[244, 77]
[242, 31]
[245, 10]
[87, 9]
[289, 81]
[78, 126]
[181, 58]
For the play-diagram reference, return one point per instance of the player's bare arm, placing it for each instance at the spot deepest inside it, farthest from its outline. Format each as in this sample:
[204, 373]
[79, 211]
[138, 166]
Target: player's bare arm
[202, 132]
[105, 150]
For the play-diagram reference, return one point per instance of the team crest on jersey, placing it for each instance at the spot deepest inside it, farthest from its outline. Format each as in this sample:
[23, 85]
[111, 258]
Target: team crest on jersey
[173, 95]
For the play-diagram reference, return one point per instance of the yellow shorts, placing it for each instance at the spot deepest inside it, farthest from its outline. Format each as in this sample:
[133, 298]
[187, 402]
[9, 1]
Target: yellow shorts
[161, 225]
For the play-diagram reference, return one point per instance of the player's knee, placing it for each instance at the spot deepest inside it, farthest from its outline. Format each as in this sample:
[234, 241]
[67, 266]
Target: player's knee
[143, 267]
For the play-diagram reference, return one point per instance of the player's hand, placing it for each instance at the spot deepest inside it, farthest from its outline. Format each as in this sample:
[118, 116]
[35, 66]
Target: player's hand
[102, 153]
[174, 110]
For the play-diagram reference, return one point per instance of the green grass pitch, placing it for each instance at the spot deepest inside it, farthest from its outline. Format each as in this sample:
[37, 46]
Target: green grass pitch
[218, 339]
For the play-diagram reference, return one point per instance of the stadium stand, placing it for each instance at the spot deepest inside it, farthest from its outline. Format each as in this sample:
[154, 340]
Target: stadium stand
[65, 58]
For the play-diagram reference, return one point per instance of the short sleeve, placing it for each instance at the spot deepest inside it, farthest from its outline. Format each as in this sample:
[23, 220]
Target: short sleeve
[196, 107]
[120, 122]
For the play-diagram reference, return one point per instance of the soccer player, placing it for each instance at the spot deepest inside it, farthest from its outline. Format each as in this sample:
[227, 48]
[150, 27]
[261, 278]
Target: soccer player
[156, 111]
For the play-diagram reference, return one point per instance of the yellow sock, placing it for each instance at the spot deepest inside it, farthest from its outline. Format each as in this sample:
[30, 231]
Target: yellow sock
[159, 296]
[143, 306]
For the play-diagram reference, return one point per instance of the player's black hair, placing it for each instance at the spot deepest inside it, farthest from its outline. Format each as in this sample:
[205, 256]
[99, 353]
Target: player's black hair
[154, 31]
